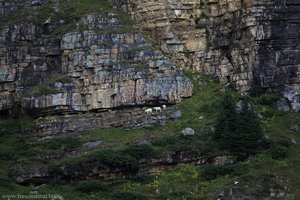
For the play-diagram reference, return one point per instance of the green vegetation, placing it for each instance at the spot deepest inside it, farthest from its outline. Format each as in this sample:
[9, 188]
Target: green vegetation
[238, 132]
[15, 125]
[271, 167]
[66, 143]
[70, 12]
[60, 9]
[199, 25]
[47, 87]
[219, 130]
[140, 151]
[107, 158]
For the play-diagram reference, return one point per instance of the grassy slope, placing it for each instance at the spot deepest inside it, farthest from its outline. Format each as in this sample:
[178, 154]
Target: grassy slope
[64, 15]
[183, 181]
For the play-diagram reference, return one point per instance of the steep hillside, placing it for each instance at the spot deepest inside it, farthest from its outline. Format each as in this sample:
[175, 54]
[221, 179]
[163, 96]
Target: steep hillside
[123, 99]
[122, 163]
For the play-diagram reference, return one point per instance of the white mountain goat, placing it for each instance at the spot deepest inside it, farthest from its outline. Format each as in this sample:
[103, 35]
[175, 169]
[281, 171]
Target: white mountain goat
[148, 111]
[157, 109]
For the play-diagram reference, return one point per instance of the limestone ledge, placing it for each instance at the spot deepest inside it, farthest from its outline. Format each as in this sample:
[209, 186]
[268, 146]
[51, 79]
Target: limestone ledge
[108, 66]
[113, 70]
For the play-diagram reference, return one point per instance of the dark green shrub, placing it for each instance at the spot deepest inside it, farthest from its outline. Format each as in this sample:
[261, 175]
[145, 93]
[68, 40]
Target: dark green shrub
[143, 179]
[115, 159]
[167, 140]
[238, 169]
[268, 113]
[12, 126]
[129, 195]
[91, 186]
[284, 142]
[279, 152]
[256, 91]
[67, 143]
[106, 158]
[47, 87]
[5, 182]
[268, 99]
[266, 143]
[237, 131]
[178, 142]
[140, 151]
[211, 172]
[199, 25]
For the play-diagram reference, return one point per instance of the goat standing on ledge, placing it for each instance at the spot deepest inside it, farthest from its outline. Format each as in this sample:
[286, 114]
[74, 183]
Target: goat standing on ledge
[148, 111]
[157, 109]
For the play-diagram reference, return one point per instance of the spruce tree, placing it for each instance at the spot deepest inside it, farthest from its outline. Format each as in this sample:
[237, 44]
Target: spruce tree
[248, 130]
[237, 131]
[225, 124]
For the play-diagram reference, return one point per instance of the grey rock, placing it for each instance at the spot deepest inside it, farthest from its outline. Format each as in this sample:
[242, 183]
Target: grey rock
[223, 160]
[36, 2]
[92, 144]
[188, 131]
[144, 142]
[296, 128]
[176, 115]
[282, 105]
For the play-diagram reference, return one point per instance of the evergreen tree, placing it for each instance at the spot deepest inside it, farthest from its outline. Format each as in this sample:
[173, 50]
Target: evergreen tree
[237, 131]
[225, 122]
[248, 130]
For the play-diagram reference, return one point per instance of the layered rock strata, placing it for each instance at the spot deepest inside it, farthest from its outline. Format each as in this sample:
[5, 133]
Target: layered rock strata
[111, 70]
[252, 43]
[102, 65]
[132, 118]
[94, 170]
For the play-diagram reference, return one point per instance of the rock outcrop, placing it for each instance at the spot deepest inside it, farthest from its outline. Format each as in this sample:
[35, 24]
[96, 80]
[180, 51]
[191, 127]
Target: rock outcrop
[133, 118]
[111, 70]
[101, 65]
[250, 43]
[95, 170]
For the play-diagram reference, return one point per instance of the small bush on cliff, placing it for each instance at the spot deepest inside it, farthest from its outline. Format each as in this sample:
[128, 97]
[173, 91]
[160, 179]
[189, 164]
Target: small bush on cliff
[140, 151]
[65, 143]
[106, 158]
[129, 195]
[237, 131]
[15, 125]
[279, 152]
[211, 172]
[5, 182]
[91, 186]
[47, 87]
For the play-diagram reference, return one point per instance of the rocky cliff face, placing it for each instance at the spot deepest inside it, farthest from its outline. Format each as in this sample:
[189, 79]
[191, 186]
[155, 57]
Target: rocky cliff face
[100, 65]
[110, 70]
[248, 43]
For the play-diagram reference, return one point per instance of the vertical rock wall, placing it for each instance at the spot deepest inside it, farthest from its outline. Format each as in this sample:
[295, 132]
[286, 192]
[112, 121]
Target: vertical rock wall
[244, 42]
[102, 64]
